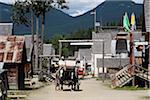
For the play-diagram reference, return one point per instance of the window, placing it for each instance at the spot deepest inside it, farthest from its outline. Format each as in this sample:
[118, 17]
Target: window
[9, 56]
[1, 57]
[121, 46]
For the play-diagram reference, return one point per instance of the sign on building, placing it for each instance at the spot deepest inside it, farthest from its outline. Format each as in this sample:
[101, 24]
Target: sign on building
[6, 28]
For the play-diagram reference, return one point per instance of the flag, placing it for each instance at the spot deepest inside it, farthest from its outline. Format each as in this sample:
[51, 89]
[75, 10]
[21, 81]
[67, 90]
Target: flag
[133, 22]
[126, 23]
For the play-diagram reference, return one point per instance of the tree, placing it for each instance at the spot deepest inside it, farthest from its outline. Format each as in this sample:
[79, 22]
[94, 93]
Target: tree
[55, 42]
[20, 11]
[68, 50]
[37, 8]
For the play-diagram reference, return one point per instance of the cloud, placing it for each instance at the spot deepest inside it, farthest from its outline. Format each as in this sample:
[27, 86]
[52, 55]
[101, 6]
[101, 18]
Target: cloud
[7, 1]
[78, 7]
[81, 6]
[77, 12]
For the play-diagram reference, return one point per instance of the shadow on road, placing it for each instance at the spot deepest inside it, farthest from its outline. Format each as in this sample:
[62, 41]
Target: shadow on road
[85, 78]
[66, 89]
[72, 90]
[78, 90]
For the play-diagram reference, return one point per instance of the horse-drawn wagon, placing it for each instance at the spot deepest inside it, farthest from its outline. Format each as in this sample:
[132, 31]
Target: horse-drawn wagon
[68, 75]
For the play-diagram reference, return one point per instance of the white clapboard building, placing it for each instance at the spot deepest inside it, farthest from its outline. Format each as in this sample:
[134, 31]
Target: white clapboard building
[6, 28]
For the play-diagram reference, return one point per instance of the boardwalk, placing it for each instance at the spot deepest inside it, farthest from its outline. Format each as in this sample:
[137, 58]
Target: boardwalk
[90, 90]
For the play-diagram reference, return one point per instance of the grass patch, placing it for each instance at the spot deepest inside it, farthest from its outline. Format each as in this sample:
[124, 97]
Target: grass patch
[98, 79]
[94, 77]
[146, 98]
[132, 88]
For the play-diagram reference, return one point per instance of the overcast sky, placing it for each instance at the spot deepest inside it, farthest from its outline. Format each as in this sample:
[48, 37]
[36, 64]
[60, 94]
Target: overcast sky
[77, 7]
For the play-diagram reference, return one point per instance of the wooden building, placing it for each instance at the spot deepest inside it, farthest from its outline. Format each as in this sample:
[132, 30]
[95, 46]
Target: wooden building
[3, 82]
[147, 15]
[13, 54]
[147, 30]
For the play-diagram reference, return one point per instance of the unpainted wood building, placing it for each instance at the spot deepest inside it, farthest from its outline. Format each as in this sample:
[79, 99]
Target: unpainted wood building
[3, 82]
[13, 55]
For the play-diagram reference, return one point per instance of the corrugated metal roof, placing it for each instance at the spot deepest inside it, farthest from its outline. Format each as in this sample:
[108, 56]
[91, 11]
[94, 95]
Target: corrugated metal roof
[11, 49]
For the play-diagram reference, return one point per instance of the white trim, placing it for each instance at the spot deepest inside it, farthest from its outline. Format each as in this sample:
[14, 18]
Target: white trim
[82, 43]
[11, 24]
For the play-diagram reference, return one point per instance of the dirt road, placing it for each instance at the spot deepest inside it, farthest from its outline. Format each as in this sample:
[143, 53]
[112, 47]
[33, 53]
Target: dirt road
[90, 90]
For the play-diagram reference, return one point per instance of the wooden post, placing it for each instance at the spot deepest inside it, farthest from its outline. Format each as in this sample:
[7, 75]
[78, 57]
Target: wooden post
[132, 61]
[42, 33]
[33, 53]
[60, 48]
[37, 45]
[40, 63]
[49, 65]
[147, 35]
[103, 61]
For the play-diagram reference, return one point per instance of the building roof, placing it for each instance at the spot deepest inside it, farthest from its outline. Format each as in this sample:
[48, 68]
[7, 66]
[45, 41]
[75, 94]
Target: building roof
[11, 49]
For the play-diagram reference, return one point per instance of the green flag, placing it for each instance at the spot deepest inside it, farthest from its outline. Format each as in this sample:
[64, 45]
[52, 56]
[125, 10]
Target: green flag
[126, 23]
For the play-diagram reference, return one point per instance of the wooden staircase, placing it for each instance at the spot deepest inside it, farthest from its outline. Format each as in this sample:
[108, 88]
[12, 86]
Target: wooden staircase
[142, 73]
[127, 73]
[121, 78]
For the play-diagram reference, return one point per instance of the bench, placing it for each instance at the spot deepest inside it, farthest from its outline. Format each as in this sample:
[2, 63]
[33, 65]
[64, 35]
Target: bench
[15, 94]
[18, 97]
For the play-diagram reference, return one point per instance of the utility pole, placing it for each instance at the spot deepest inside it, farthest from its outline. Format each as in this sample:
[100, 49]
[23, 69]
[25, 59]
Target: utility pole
[103, 60]
[49, 65]
[37, 45]
[94, 14]
[32, 30]
[43, 27]
[95, 20]
[60, 48]
[120, 60]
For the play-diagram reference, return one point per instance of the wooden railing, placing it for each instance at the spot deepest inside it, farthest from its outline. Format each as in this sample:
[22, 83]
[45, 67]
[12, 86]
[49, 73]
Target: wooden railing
[142, 72]
[123, 76]
[127, 73]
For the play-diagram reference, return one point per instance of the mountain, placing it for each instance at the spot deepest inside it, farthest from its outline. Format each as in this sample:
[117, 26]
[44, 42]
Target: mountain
[5, 12]
[58, 22]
